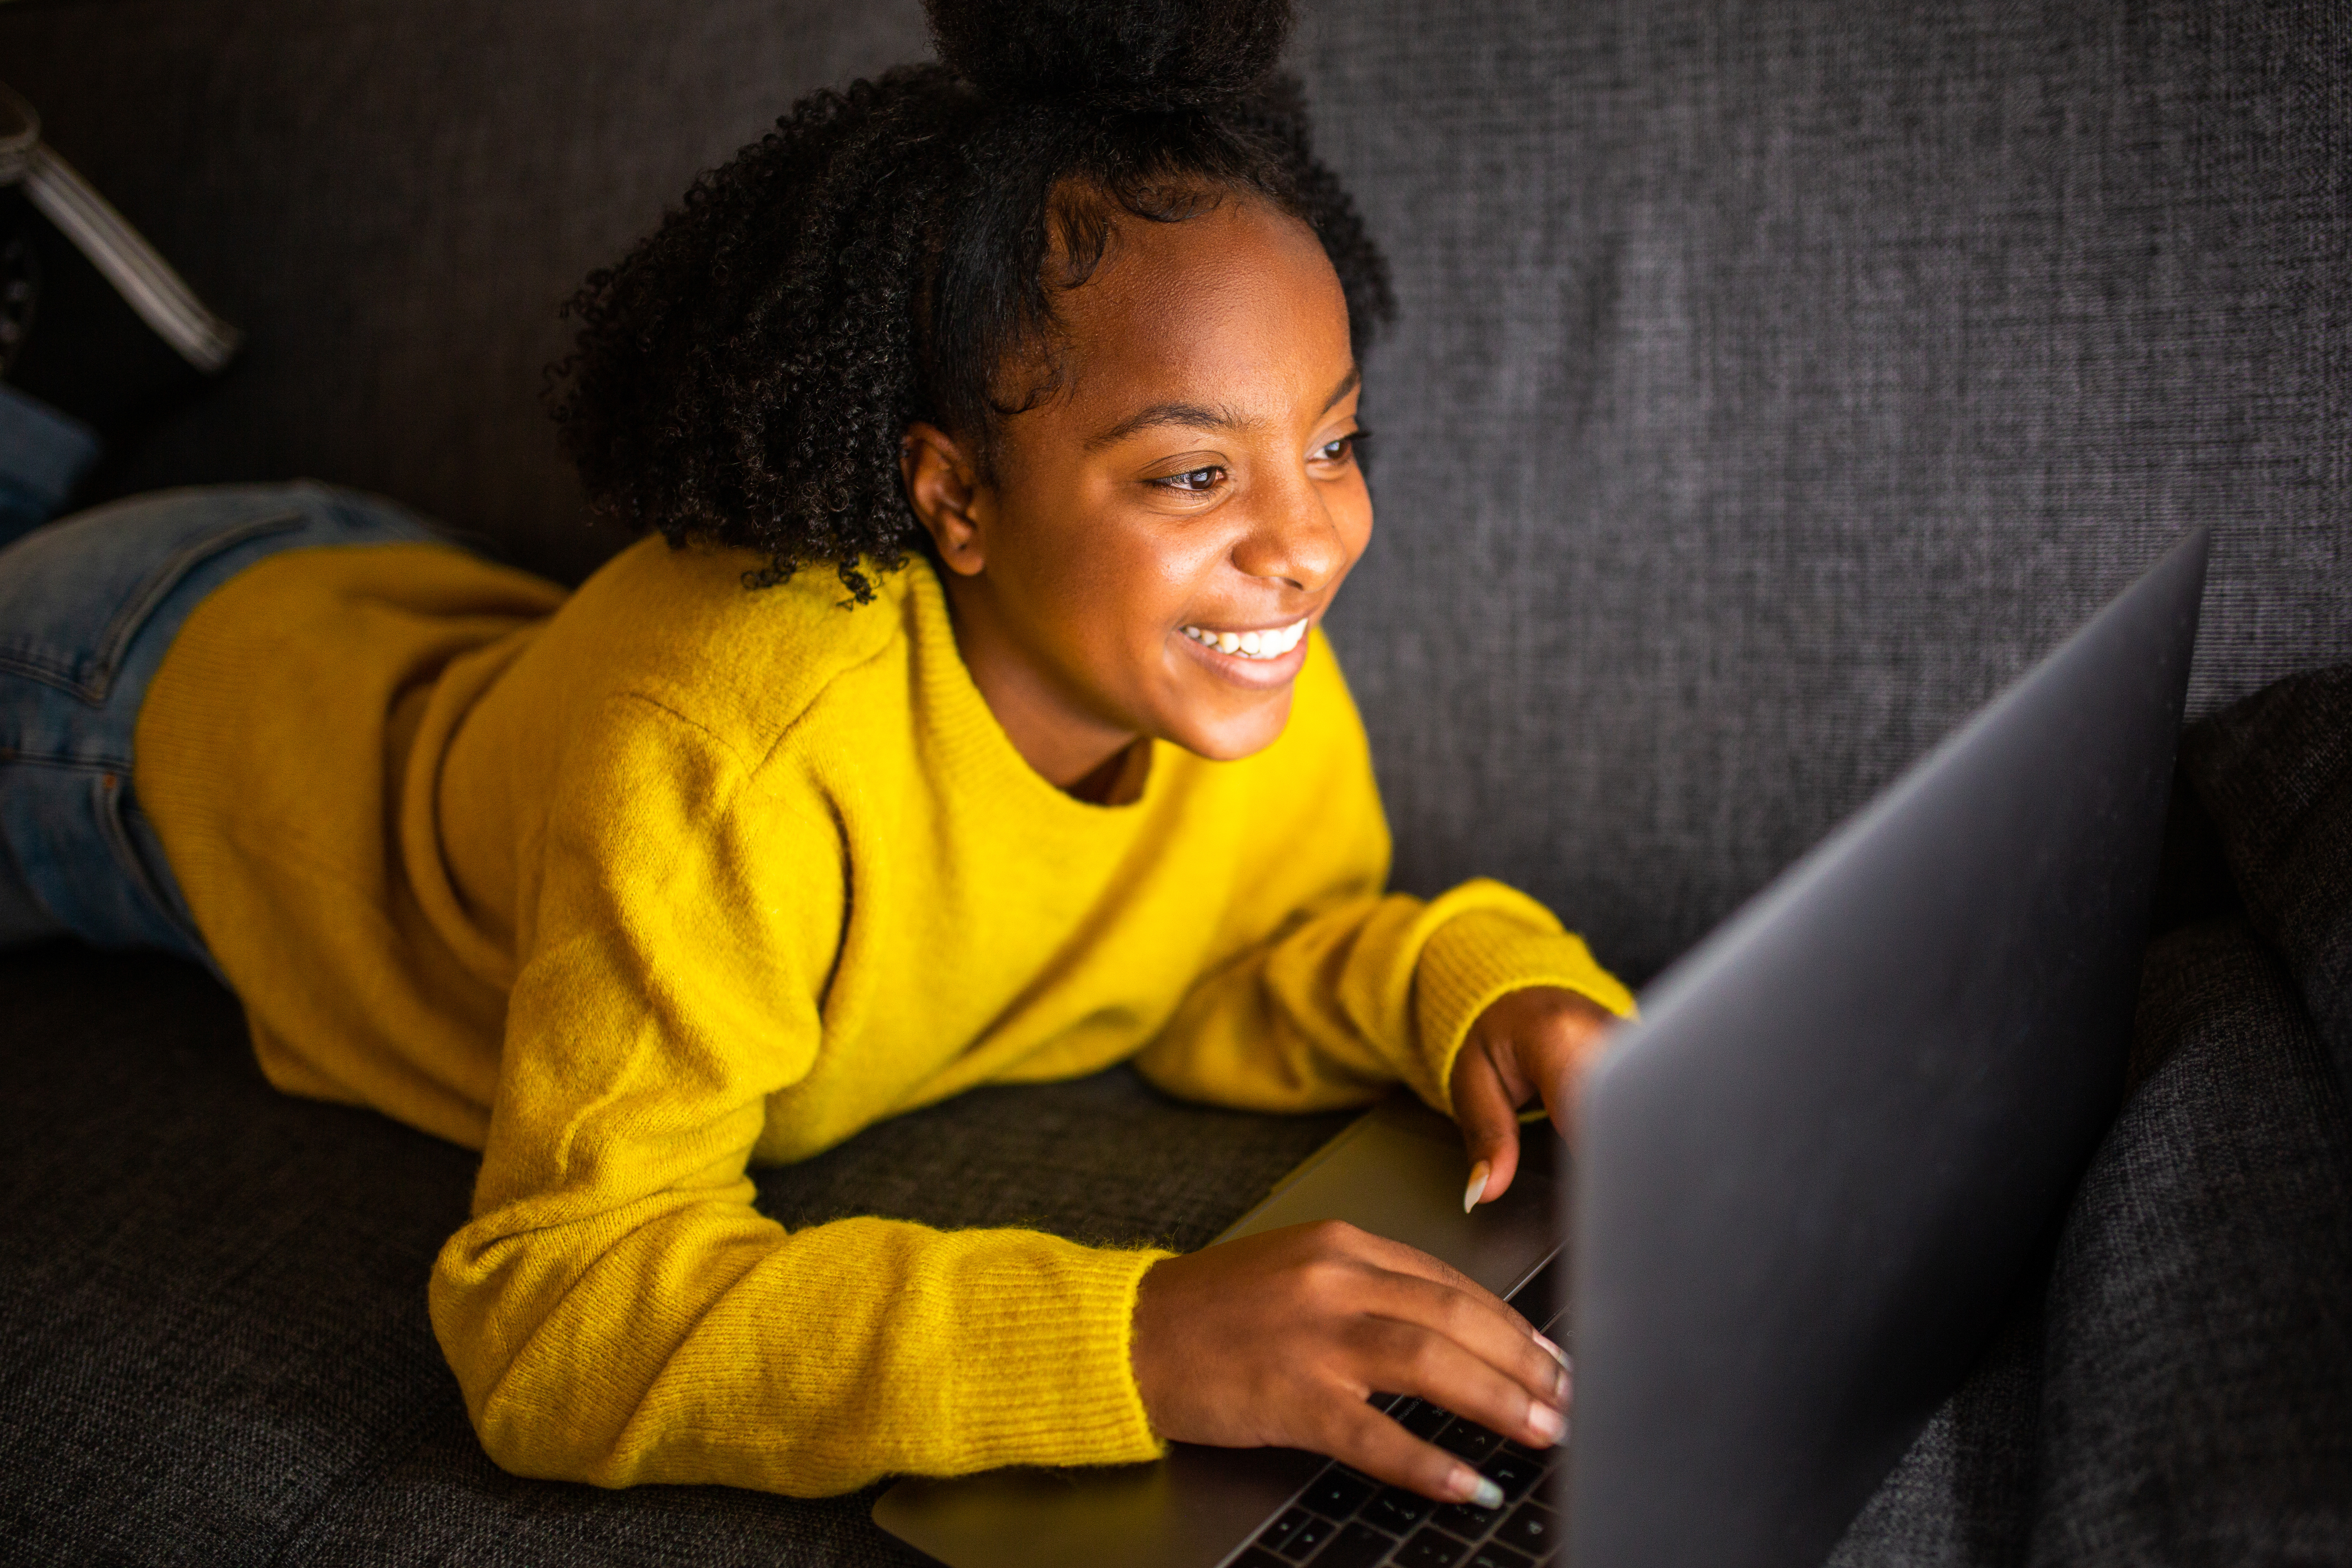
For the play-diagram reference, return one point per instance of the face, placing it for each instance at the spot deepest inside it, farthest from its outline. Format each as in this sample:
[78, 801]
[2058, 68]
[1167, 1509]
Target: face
[1153, 539]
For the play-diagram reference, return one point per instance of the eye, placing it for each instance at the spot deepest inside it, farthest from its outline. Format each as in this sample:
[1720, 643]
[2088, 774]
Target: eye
[1342, 449]
[1191, 482]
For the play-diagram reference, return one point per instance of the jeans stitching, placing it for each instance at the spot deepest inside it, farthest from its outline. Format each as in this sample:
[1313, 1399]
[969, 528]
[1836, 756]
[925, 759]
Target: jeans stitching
[111, 793]
[104, 763]
[115, 641]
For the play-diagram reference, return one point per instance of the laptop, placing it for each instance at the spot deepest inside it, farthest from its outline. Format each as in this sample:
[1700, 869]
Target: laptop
[1806, 1186]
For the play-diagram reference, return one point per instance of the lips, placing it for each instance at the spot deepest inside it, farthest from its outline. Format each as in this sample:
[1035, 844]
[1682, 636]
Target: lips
[1272, 642]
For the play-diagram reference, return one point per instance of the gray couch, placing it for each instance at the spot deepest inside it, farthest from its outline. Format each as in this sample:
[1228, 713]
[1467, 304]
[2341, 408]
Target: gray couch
[1773, 382]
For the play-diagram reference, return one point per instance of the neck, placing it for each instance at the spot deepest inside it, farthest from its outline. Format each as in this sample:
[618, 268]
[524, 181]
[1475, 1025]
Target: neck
[1071, 747]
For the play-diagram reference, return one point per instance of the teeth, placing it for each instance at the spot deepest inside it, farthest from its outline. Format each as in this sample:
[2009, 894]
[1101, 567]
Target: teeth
[1250, 645]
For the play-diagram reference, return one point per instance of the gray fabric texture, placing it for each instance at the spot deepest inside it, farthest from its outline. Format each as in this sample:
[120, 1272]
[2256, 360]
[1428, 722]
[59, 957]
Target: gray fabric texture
[2197, 1404]
[213, 1346]
[2276, 773]
[1774, 381]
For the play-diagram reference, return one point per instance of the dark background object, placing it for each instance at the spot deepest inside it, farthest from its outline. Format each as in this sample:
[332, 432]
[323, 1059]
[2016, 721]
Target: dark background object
[87, 351]
[1773, 381]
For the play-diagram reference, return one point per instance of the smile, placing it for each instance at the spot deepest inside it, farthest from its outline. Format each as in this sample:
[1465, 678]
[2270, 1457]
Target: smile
[1270, 644]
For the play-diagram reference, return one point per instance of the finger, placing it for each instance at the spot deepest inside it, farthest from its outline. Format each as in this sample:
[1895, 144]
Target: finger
[1395, 1257]
[1394, 1261]
[1409, 1359]
[1576, 1044]
[1507, 1348]
[1490, 1126]
[1362, 1436]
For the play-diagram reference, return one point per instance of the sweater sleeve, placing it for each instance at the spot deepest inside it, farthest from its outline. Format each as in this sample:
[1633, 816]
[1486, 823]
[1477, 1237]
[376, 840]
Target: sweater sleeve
[1368, 992]
[617, 1310]
[1331, 990]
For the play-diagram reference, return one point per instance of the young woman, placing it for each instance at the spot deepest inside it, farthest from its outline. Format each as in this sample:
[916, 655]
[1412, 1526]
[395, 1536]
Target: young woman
[969, 724]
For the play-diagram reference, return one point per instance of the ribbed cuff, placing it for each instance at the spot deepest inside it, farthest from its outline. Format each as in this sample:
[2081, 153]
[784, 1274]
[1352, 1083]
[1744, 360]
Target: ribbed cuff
[1045, 1357]
[1482, 955]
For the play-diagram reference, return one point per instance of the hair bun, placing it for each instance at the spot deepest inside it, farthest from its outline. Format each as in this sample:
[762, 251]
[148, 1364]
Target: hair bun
[1112, 54]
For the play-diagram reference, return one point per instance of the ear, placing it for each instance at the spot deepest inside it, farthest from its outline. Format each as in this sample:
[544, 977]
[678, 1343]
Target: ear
[951, 502]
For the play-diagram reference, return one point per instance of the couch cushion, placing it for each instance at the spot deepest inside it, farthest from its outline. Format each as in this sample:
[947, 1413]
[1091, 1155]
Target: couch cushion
[2197, 1402]
[2274, 773]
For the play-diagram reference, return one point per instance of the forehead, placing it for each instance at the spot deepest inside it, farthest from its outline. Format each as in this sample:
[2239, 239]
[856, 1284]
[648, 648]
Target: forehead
[1237, 306]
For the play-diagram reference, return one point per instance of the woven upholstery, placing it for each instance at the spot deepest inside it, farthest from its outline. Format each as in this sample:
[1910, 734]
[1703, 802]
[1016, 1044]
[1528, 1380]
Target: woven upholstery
[2275, 771]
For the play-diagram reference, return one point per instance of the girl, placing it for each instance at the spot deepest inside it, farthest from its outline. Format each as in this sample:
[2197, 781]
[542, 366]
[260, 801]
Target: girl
[969, 723]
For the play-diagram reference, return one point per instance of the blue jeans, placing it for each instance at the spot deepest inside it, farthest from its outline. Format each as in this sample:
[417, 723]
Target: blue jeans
[89, 606]
[43, 456]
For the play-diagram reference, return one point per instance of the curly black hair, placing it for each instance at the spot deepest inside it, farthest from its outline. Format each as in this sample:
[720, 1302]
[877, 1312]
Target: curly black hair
[746, 375]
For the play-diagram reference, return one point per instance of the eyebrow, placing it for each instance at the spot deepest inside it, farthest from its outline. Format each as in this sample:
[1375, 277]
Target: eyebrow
[1190, 415]
[1196, 417]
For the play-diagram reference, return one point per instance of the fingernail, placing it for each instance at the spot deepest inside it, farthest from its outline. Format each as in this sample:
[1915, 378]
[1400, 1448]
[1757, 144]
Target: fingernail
[1473, 1488]
[1550, 1422]
[1553, 1351]
[1477, 1188]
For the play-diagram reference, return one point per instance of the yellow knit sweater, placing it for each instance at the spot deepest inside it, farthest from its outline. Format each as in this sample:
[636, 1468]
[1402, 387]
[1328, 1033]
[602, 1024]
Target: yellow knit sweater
[630, 888]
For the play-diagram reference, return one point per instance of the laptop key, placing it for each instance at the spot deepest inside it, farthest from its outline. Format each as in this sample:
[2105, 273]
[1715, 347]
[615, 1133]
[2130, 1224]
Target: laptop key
[1468, 1440]
[1493, 1556]
[1465, 1520]
[1282, 1529]
[1513, 1474]
[1304, 1536]
[1357, 1546]
[1335, 1495]
[1398, 1509]
[1253, 1558]
[1533, 1530]
[1430, 1549]
[1421, 1418]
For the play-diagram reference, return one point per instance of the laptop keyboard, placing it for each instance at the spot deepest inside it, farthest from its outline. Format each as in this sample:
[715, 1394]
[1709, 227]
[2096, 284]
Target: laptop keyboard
[1344, 1519]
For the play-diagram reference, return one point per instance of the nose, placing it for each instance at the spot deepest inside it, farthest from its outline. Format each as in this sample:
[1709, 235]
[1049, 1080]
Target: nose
[1292, 539]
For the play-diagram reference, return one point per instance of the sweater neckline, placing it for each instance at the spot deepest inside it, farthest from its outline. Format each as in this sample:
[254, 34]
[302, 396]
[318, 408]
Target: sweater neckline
[972, 742]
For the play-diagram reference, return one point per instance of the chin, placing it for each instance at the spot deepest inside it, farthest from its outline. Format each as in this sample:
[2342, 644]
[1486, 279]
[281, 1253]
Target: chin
[1228, 738]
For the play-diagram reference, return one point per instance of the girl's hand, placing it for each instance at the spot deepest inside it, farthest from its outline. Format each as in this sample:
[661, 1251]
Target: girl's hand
[1279, 1338]
[1539, 1041]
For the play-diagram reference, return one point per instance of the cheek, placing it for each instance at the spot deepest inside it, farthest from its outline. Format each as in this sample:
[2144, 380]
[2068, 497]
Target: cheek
[1110, 582]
